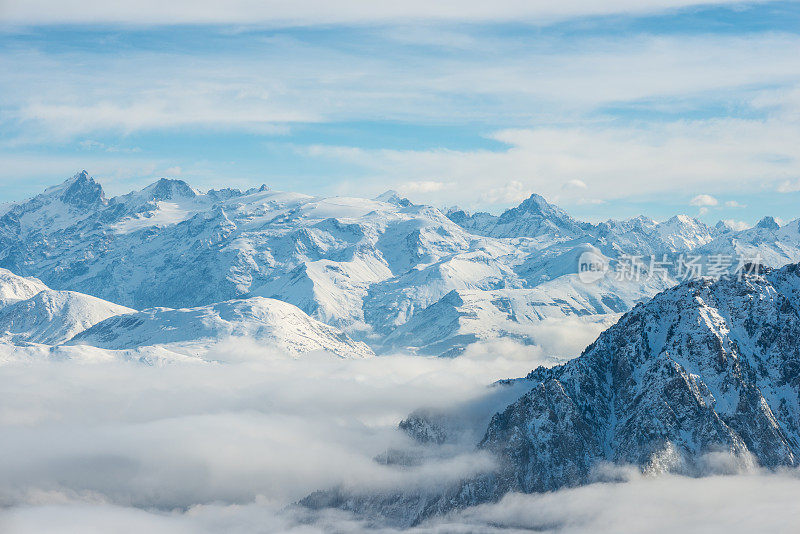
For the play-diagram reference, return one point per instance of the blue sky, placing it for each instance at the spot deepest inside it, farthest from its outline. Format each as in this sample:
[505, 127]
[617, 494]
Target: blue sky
[633, 107]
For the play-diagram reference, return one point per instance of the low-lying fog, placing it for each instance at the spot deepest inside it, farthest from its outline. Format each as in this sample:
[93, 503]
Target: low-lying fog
[93, 444]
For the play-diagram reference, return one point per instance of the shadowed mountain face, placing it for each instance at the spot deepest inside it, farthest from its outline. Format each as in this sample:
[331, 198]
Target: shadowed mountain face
[703, 368]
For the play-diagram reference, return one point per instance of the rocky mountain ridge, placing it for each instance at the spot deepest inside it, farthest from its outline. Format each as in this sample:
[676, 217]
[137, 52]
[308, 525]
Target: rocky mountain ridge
[706, 372]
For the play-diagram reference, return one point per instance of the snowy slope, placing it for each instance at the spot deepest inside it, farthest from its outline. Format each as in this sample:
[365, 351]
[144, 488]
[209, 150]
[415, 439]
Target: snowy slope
[463, 317]
[139, 249]
[775, 245]
[267, 321]
[53, 317]
[535, 217]
[14, 288]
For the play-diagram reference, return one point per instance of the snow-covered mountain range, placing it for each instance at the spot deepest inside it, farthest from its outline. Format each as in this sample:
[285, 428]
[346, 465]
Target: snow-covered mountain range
[32, 313]
[690, 371]
[393, 274]
[704, 376]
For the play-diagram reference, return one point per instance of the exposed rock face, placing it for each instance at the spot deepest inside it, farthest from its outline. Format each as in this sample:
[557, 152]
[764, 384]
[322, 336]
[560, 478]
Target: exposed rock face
[703, 368]
[83, 192]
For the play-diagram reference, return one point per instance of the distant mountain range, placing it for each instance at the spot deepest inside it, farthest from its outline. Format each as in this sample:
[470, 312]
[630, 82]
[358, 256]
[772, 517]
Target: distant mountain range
[390, 273]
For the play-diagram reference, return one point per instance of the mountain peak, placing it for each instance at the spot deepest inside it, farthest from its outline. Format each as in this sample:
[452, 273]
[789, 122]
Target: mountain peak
[82, 191]
[683, 219]
[536, 216]
[170, 189]
[536, 202]
[393, 197]
[659, 390]
[536, 205]
[768, 223]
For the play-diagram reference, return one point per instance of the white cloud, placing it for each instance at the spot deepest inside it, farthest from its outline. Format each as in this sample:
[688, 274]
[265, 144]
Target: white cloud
[789, 186]
[429, 186]
[82, 427]
[205, 448]
[703, 201]
[731, 504]
[590, 201]
[171, 111]
[734, 204]
[511, 192]
[739, 504]
[576, 184]
[285, 80]
[617, 162]
[736, 225]
[305, 12]
[261, 427]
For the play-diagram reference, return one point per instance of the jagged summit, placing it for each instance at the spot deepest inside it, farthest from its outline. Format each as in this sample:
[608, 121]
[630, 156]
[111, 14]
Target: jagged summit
[169, 189]
[533, 217]
[768, 223]
[80, 191]
[723, 227]
[538, 204]
[83, 191]
[683, 219]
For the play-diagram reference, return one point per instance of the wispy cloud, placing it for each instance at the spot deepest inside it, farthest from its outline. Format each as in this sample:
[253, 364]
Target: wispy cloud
[628, 114]
[614, 162]
[789, 186]
[283, 81]
[307, 12]
[703, 201]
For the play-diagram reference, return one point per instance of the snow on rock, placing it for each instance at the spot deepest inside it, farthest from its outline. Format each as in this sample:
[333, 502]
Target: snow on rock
[702, 371]
[771, 244]
[365, 266]
[534, 217]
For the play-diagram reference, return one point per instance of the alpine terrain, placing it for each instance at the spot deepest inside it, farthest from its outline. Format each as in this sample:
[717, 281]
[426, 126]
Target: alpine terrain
[398, 276]
[705, 373]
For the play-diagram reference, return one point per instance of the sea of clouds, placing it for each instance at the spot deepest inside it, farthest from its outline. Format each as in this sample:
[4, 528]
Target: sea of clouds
[100, 441]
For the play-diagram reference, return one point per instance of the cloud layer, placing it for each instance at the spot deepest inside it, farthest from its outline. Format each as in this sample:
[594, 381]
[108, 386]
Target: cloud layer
[604, 113]
[198, 447]
[262, 426]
